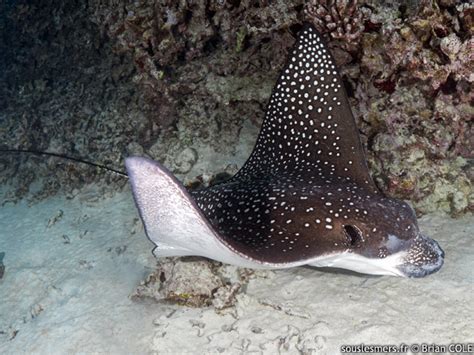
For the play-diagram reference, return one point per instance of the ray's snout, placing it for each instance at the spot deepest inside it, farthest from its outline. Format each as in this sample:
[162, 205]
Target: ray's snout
[423, 258]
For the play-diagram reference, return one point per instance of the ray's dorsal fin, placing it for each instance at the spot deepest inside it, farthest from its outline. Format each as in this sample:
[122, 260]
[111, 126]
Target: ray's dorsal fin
[309, 127]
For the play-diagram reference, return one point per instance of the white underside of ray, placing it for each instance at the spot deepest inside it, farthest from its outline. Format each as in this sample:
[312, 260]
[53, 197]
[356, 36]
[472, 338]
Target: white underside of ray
[171, 219]
[178, 228]
[363, 265]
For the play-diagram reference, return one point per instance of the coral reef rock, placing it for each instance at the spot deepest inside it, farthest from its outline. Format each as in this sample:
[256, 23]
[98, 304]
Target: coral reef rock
[341, 19]
[189, 281]
[186, 83]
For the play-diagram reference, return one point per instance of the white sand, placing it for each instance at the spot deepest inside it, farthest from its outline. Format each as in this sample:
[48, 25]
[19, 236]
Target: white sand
[59, 297]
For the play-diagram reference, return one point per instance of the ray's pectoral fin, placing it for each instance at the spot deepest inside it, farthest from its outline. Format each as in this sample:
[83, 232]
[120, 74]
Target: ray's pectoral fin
[309, 127]
[172, 220]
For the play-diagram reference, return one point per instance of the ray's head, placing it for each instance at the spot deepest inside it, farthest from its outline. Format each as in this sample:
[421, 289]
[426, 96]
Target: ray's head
[374, 234]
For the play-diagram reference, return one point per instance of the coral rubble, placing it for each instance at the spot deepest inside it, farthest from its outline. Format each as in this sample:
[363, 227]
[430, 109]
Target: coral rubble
[2, 266]
[192, 282]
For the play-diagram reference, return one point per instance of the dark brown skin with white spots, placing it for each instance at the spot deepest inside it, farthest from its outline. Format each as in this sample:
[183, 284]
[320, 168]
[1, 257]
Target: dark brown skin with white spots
[306, 190]
[287, 224]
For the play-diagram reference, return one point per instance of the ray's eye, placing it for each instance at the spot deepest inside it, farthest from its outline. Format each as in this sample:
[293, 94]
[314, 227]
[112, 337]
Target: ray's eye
[353, 235]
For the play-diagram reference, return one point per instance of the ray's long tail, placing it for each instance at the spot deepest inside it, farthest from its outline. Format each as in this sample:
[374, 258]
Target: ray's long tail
[66, 157]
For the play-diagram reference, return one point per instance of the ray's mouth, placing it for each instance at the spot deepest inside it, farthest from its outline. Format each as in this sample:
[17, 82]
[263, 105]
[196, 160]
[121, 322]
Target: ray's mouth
[423, 258]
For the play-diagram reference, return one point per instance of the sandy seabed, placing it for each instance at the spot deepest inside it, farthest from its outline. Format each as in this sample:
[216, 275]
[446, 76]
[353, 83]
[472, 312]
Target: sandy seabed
[70, 266]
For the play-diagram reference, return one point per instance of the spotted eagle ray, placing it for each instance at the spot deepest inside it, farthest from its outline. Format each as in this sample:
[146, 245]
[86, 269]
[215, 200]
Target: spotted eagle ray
[304, 197]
